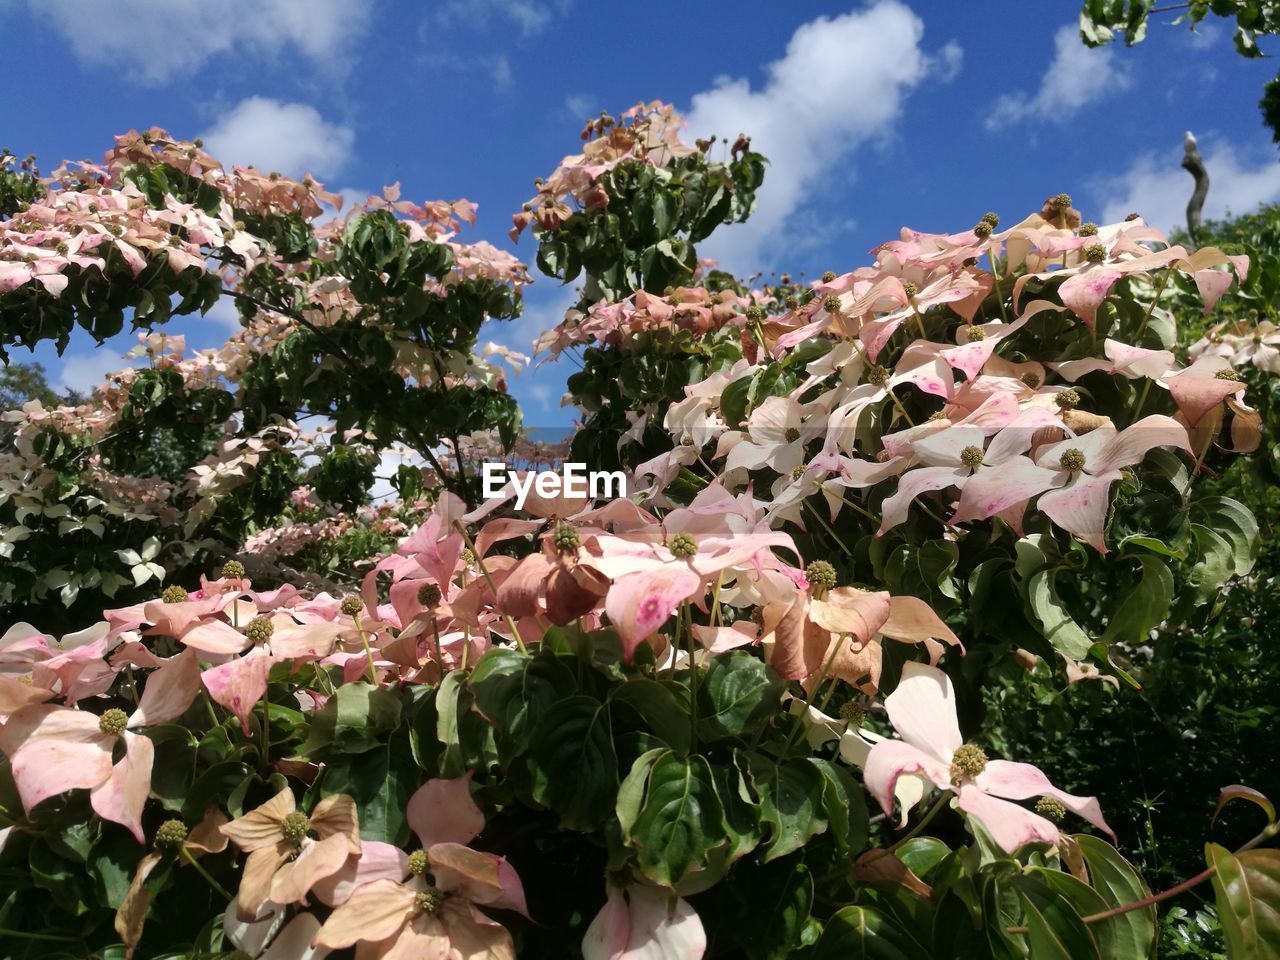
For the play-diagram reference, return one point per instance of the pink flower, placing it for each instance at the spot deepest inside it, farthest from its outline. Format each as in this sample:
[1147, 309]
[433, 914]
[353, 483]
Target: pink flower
[923, 711]
[644, 923]
[52, 749]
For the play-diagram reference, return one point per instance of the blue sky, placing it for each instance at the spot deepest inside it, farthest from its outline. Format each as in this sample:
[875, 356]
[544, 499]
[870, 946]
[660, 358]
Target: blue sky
[876, 115]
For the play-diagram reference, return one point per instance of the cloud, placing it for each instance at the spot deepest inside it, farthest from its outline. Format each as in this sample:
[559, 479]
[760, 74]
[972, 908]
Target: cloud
[530, 17]
[289, 137]
[84, 371]
[1241, 179]
[153, 40]
[1076, 76]
[580, 106]
[840, 84]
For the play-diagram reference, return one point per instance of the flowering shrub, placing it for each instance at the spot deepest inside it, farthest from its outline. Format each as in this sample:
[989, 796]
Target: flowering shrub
[713, 719]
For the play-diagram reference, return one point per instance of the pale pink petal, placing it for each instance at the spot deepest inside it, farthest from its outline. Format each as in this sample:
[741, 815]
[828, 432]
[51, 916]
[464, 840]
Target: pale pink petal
[922, 708]
[121, 798]
[318, 859]
[1081, 507]
[214, 636]
[375, 911]
[1212, 284]
[442, 811]
[168, 691]
[1196, 396]
[239, 684]
[890, 759]
[1022, 781]
[997, 488]
[894, 509]
[609, 934]
[376, 861]
[1086, 290]
[1009, 824]
[52, 749]
[640, 603]
[1130, 445]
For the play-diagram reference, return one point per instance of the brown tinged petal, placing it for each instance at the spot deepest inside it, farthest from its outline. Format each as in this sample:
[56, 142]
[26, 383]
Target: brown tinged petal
[316, 860]
[882, 865]
[259, 829]
[375, 912]
[132, 913]
[337, 815]
[207, 836]
[260, 869]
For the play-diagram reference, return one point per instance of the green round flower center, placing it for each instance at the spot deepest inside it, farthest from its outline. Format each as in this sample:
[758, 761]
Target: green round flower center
[971, 457]
[877, 376]
[937, 415]
[429, 595]
[1226, 375]
[852, 714]
[791, 435]
[1095, 253]
[977, 333]
[1089, 229]
[233, 570]
[967, 762]
[113, 722]
[682, 546]
[418, 863]
[1072, 460]
[566, 537]
[910, 289]
[797, 472]
[429, 900]
[468, 556]
[792, 302]
[1051, 809]
[755, 314]
[171, 834]
[351, 605]
[259, 630]
[173, 595]
[828, 276]
[1032, 380]
[1066, 399]
[821, 574]
[295, 826]
[831, 304]
[992, 218]
[1061, 202]
[982, 229]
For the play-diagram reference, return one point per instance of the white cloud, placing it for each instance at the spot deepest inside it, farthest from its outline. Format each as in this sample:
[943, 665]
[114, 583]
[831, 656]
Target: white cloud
[84, 371]
[1076, 76]
[154, 40]
[529, 16]
[1155, 186]
[289, 137]
[840, 84]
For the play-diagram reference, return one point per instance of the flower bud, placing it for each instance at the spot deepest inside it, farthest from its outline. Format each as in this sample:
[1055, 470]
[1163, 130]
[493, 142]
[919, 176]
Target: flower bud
[976, 333]
[1089, 229]
[756, 314]
[468, 556]
[791, 435]
[566, 537]
[233, 570]
[1061, 202]
[877, 376]
[982, 229]
[852, 714]
[174, 594]
[259, 630]
[910, 289]
[113, 722]
[820, 574]
[991, 218]
[171, 835]
[682, 546]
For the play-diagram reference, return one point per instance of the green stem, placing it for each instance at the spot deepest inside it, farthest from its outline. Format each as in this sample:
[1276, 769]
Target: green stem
[368, 651]
[834, 536]
[995, 273]
[1141, 400]
[48, 937]
[685, 613]
[941, 802]
[901, 409]
[266, 730]
[205, 873]
[821, 676]
[1146, 316]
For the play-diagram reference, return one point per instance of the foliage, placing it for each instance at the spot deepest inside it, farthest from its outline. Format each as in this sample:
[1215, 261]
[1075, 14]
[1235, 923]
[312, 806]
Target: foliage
[655, 724]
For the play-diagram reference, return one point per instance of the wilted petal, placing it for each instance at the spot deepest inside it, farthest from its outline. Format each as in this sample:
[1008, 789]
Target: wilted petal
[473, 935]
[911, 620]
[261, 827]
[316, 860]
[519, 593]
[260, 869]
[132, 913]
[336, 814]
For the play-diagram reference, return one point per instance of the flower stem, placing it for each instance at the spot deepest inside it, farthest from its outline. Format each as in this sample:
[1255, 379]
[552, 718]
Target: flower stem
[685, 614]
[205, 873]
[368, 651]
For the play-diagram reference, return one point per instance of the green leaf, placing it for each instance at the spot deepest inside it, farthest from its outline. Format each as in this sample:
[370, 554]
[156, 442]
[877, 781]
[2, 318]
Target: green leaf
[1056, 624]
[658, 709]
[867, 934]
[572, 762]
[738, 694]
[1146, 605]
[1054, 930]
[1247, 888]
[680, 822]
[513, 691]
[791, 802]
[1119, 884]
[777, 900]
[845, 804]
